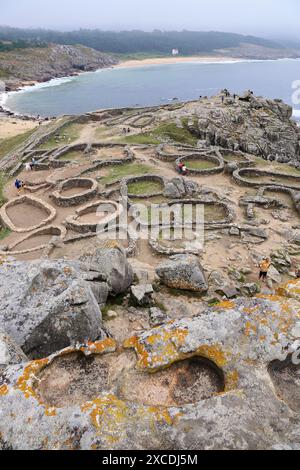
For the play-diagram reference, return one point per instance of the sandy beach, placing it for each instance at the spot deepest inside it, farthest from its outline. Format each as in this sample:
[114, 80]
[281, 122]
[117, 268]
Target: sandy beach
[175, 60]
[12, 126]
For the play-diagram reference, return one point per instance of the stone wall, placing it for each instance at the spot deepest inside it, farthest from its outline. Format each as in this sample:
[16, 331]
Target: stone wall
[33, 201]
[240, 176]
[219, 162]
[90, 186]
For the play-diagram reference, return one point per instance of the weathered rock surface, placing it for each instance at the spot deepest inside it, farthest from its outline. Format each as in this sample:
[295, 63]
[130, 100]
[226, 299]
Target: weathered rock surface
[260, 127]
[179, 187]
[46, 306]
[10, 352]
[42, 64]
[182, 272]
[113, 266]
[248, 341]
[141, 294]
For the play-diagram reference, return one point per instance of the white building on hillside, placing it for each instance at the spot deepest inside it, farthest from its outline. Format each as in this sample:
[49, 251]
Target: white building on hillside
[175, 51]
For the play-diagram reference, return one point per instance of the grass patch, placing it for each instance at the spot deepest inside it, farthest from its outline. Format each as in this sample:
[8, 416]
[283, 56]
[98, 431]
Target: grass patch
[4, 232]
[277, 167]
[4, 74]
[7, 145]
[2, 183]
[113, 302]
[186, 293]
[199, 164]
[171, 131]
[118, 172]
[144, 187]
[66, 135]
[146, 139]
[72, 156]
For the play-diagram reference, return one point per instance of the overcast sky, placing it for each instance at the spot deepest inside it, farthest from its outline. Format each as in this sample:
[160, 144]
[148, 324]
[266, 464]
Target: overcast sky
[260, 17]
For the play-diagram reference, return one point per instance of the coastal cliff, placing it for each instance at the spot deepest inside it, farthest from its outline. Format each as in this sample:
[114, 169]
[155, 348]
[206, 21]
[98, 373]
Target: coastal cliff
[20, 67]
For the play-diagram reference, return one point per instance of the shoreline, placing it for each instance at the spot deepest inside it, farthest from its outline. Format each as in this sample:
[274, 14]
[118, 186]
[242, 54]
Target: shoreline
[134, 63]
[177, 60]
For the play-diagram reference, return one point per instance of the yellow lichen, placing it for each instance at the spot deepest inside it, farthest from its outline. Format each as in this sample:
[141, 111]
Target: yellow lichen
[4, 390]
[214, 353]
[231, 380]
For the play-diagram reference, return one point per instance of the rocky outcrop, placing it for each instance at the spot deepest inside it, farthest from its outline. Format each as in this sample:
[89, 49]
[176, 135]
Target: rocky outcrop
[251, 393]
[182, 272]
[180, 187]
[253, 125]
[112, 264]
[10, 352]
[46, 306]
[43, 64]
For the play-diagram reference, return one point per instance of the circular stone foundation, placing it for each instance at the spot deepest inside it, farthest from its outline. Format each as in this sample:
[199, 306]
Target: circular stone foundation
[93, 216]
[145, 186]
[26, 213]
[202, 164]
[259, 178]
[69, 193]
[185, 212]
[37, 240]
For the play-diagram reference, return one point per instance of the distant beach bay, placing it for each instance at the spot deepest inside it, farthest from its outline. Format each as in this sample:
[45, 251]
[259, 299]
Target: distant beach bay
[155, 84]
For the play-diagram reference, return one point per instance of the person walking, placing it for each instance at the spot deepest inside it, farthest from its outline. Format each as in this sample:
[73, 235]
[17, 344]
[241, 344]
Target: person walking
[264, 268]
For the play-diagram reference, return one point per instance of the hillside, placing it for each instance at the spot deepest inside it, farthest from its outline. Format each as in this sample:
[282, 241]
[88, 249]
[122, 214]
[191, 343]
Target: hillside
[156, 42]
[44, 63]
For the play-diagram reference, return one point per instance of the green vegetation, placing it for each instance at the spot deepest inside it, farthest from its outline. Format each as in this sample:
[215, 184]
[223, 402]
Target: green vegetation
[66, 135]
[199, 164]
[3, 74]
[146, 139]
[111, 303]
[74, 155]
[171, 131]
[7, 46]
[7, 145]
[144, 187]
[118, 172]
[4, 232]
[138, 42]
[2, 184]
[276, 167]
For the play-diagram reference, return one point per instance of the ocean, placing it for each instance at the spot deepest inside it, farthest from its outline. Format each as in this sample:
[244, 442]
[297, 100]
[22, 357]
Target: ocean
[150, 85]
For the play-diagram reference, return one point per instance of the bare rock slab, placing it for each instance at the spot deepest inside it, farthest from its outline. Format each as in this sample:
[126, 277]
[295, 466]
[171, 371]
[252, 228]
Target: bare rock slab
[46, 306]
[183, 272]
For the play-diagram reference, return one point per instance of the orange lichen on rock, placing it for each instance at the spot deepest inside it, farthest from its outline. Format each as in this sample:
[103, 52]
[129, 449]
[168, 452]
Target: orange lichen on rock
[24, 382]
[214, 353]
[290, 289]
[106, 413]
[231, 380]
[226, 304]
[100, 347]
[4, 390]
[159, 348]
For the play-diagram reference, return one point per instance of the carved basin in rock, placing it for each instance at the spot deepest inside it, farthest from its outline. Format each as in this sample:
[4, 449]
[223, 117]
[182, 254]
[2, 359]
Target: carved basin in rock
[37, 240]
[26, 213]
[97, 214]
[75, 191]
[75, 378]
[285, 376]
